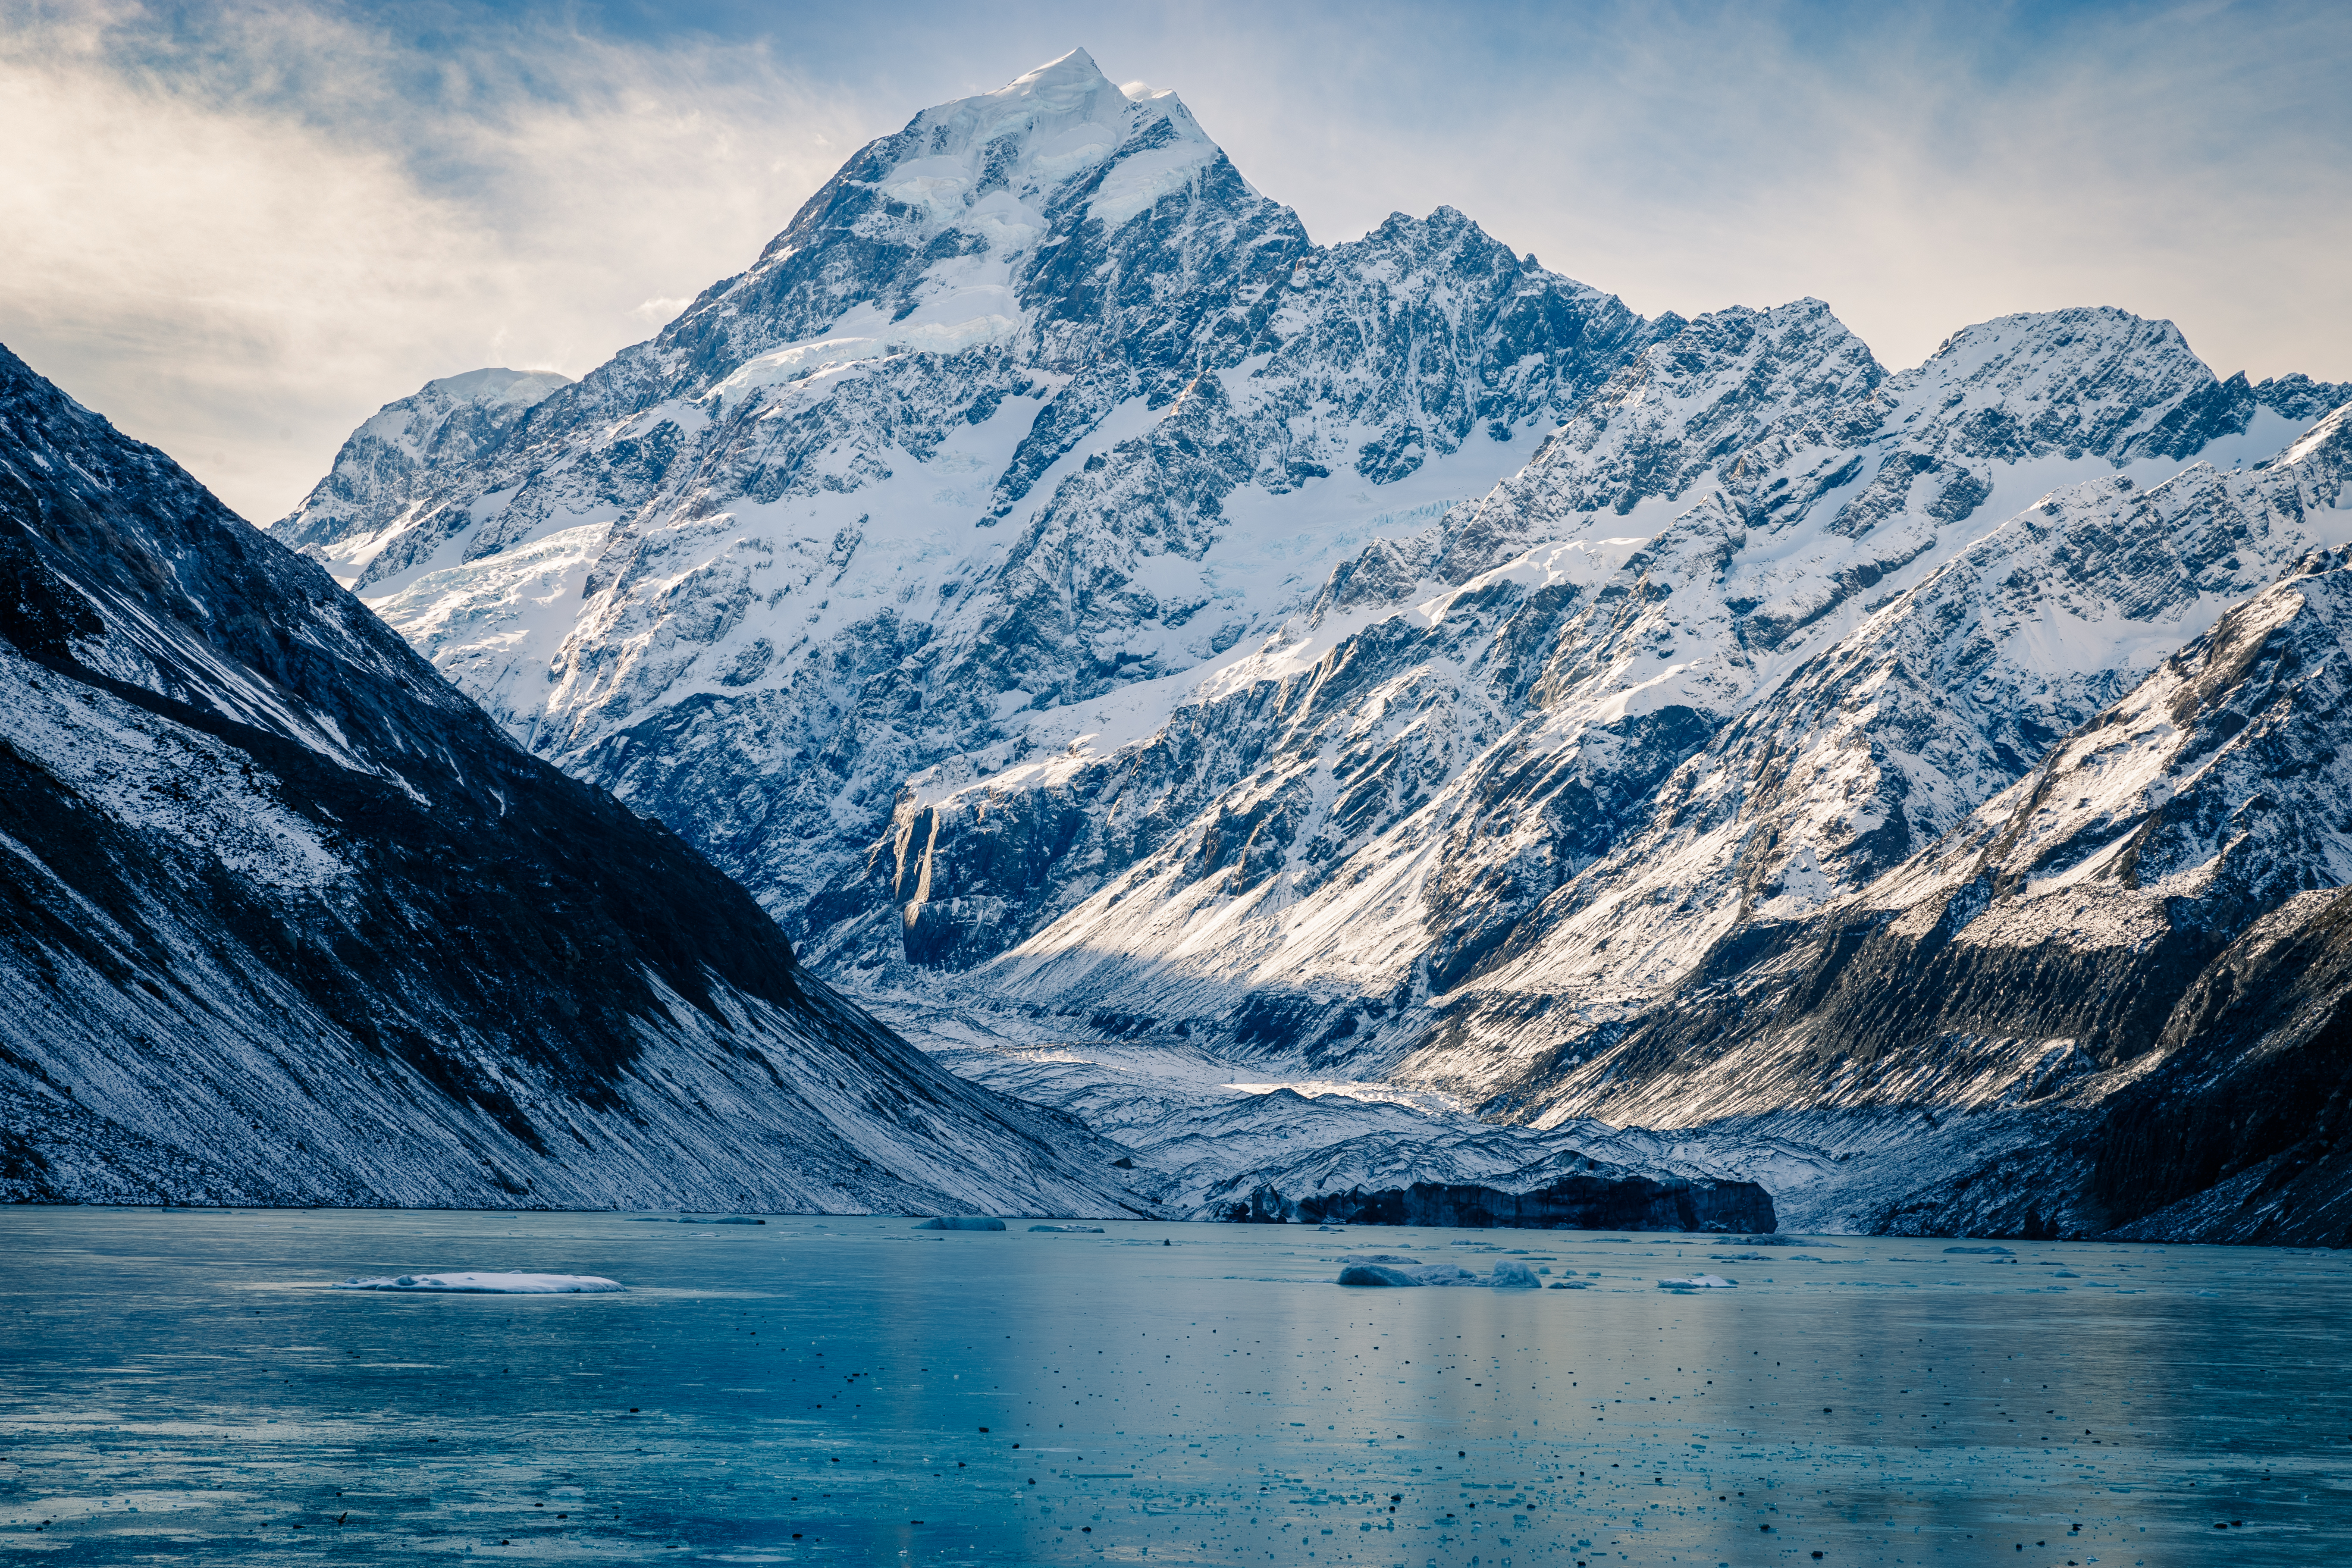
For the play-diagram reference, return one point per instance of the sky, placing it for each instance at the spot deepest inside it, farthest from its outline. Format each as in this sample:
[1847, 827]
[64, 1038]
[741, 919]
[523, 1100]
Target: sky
[237, 229]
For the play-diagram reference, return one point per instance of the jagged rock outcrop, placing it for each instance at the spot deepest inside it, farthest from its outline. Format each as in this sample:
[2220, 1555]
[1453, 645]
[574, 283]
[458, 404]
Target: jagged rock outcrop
[285, 919]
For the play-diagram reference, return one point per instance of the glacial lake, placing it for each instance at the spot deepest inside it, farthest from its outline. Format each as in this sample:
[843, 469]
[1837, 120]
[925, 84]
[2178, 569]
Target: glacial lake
[182, 1386]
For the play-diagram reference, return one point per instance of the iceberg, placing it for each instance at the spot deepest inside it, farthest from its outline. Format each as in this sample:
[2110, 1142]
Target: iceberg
[1391, 1269]
[961, 1222]
[1378, 1274]
[471, 1284]
[1054, 1229]
[1699, 1282]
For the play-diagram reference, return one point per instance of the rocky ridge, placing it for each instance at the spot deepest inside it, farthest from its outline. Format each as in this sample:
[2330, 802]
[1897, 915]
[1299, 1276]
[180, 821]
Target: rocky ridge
[287, 919]
[2118, 979]
[1427, 788]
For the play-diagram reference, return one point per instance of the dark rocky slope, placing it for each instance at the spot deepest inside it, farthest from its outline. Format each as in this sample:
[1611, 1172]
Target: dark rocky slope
[286, 919]
[1572, 1203]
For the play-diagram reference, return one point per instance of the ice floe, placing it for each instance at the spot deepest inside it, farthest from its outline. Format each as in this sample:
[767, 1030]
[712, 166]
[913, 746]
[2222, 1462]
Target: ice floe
[961, 1222]
[1699, 1282]
[1391, 1269]
[470, 1284]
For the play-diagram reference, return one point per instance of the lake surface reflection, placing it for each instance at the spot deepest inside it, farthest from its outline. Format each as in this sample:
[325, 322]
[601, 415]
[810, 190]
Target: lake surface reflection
[183, 1386]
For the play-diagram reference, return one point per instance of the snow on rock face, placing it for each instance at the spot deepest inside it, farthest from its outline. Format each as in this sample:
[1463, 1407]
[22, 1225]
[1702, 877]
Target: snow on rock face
[288, 921]
[2065, 966]
[1888, 740]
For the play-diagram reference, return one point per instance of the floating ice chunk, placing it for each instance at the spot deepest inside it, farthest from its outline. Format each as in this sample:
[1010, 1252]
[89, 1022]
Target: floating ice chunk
[1571, 1285]
[1378, 1274]
[690, 1219]
[1063, 1229]
[1446, 1274]
[1394, 1268]
[1515, 1277]
[489, 1284]
[1699, 1282]
[1993, 1251]
[1778, 1241]
[961, 1222]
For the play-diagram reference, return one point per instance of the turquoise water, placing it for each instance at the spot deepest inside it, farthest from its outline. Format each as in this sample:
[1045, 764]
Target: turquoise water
[181, 1386]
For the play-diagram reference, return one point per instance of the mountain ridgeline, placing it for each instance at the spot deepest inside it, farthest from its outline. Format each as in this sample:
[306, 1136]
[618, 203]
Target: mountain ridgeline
[1050, 582]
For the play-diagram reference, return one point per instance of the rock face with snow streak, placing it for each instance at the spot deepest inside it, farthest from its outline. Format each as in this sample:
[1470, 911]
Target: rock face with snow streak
[284, 919]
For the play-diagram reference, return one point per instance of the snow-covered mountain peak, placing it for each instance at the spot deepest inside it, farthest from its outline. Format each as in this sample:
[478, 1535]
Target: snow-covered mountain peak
[2099, 379]
[984, 163]
[383, 469]
[497, 387]
[2323, 454]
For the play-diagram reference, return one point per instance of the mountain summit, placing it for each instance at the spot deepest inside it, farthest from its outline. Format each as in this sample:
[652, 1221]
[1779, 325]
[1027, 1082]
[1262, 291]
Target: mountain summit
[1035, 405]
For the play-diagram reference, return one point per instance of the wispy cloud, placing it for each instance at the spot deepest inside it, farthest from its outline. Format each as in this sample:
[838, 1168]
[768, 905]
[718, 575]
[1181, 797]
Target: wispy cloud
[239, 245]
[238, 228]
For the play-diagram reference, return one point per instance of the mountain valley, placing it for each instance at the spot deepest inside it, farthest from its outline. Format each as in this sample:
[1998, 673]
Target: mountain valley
[1312, 720]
